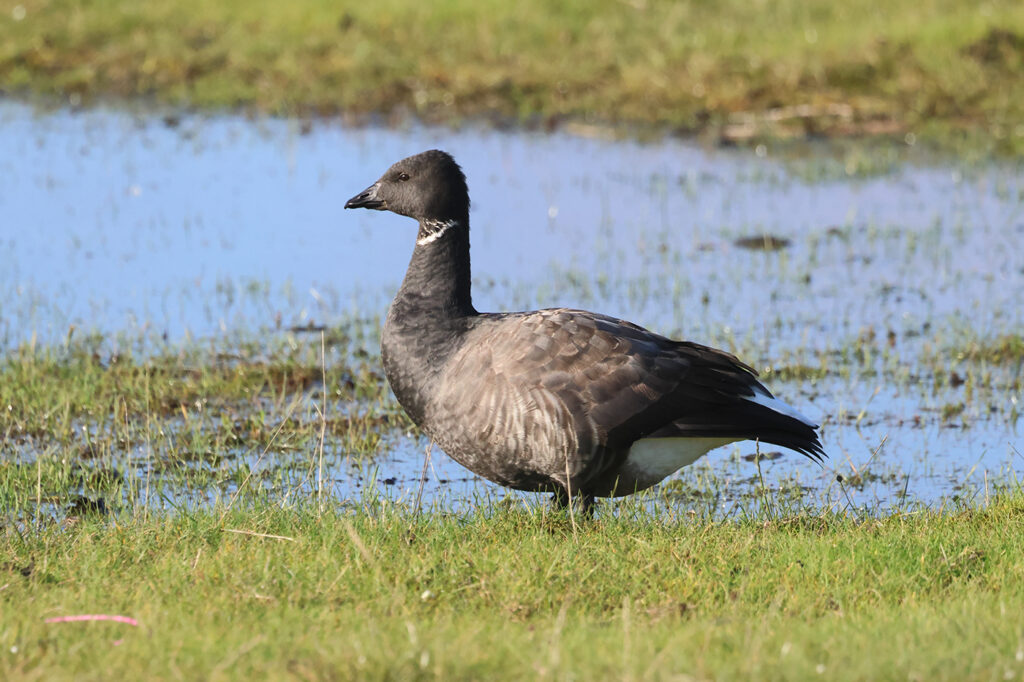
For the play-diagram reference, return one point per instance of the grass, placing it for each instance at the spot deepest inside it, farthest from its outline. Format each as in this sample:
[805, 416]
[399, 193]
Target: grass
[1007, 348]
[939, 70]
[384, 593]
[51, 392]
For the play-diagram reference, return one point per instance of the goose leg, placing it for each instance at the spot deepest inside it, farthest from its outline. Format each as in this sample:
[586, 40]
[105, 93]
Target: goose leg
[585, 502]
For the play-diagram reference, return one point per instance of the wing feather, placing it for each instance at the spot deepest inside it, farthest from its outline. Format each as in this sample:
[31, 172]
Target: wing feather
[553, 385]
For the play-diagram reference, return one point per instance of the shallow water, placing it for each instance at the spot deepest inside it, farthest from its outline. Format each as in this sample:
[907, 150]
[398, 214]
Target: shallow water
[201, 226]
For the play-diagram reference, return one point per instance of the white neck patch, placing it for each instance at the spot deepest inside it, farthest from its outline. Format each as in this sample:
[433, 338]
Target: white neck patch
[435, 229]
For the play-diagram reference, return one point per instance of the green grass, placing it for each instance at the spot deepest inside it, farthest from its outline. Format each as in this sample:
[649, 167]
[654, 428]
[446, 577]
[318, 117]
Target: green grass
[51, 392]
[935, 69]
[386, 594]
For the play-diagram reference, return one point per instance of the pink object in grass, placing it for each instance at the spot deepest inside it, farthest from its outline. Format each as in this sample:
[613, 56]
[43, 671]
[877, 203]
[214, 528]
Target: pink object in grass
[94, 616]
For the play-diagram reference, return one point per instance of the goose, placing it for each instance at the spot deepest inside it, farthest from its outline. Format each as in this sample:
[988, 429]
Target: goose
[565, 401]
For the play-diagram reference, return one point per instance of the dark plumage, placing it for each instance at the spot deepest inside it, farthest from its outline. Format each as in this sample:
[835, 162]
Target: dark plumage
[561, 400]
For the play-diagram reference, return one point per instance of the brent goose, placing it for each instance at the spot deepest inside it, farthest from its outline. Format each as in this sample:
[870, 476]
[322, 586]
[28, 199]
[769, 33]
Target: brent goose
[559, 400]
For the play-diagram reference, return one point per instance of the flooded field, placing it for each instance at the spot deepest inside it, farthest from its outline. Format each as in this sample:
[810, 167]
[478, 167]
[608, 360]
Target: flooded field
[878, 294]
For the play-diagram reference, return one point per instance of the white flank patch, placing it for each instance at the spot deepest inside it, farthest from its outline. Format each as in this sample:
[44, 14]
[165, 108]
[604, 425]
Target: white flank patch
[656, 458]
[776, 405]
[439, 229]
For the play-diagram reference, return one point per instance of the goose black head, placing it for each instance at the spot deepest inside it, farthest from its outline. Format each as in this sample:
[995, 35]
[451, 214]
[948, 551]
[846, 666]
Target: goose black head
[428, 186]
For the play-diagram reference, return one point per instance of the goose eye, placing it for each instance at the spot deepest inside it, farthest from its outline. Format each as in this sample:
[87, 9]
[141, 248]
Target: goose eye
[403, 176]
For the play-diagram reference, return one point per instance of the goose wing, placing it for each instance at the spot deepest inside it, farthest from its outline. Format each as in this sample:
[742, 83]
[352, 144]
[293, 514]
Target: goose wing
[560, 389]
